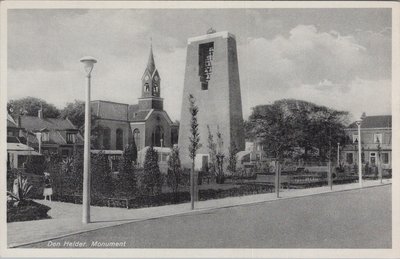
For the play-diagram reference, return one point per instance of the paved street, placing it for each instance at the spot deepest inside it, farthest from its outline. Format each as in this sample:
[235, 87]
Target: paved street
[358, 218]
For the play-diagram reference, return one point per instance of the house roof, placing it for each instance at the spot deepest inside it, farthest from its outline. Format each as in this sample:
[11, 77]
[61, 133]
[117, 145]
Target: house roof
[10, 122]
[34, 123]
[381, 121]
[132, 111]
[140, 115]
[109, 110]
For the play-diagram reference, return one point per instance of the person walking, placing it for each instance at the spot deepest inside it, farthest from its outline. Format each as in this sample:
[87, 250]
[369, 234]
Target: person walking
[48, 190]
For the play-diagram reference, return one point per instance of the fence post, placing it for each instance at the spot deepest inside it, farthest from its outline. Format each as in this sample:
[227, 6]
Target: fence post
[330, 174]
[277, 178]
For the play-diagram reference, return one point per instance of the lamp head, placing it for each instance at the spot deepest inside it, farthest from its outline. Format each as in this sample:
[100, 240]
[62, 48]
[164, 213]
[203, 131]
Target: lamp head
[88, 63]
[358, 122]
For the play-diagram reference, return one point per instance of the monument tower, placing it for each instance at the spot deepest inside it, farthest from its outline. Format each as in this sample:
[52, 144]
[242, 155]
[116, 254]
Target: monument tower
[212, 77]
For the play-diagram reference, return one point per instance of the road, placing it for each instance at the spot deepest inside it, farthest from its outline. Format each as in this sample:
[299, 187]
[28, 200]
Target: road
[349, 219]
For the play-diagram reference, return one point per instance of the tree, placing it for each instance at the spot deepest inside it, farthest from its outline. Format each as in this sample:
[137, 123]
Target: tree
[232, 158]
[174, 177]
[127, 177]
[75, 112]
[309, 126]
[152, 178]
[286, 125]
[195, 145]
[30, 106]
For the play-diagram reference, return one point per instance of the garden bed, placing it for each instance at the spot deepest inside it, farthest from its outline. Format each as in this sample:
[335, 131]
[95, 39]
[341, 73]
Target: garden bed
[26, 210]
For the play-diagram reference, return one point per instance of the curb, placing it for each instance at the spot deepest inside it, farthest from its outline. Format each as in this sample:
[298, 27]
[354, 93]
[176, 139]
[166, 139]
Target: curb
[198, 211]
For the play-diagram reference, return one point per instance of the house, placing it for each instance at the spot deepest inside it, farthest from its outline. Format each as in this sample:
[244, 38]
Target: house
[17, 152]
[50, 135]
[376, 140]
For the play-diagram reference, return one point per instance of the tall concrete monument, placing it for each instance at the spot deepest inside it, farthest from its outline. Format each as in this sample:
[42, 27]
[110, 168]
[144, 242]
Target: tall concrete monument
[212, 77]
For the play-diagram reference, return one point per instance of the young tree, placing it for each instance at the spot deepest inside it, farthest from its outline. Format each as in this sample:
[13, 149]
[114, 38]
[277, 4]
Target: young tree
[174, 177]
[232, 158]
[152, 178]
[195, 145]
[30, 106]
[220, 158]
[212, 150]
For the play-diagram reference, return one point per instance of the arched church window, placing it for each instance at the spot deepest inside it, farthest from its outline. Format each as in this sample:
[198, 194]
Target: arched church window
[106, 138]
[136, 138]
[146, 87]
[158, 137]
[119, 143]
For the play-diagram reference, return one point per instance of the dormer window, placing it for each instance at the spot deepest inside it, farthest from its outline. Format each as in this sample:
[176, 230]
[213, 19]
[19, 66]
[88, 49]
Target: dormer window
[45, 136]
[378, 138]
[71, 138]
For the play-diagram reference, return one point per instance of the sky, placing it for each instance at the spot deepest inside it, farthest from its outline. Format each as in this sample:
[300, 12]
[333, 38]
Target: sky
[340, 58]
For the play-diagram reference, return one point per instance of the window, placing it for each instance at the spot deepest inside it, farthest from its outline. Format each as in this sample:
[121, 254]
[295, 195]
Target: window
[206, 56]
[372, 158]
[119, 143]
[158, 136]
[136, 138]
[71, 138]
[106, 138]
[355, 138]
[377, 138]
[146, 87]
[45, 136]
[385, 158]
[349, 158]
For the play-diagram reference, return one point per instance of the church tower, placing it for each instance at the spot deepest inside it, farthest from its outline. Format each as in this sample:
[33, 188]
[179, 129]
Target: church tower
[212, 77]
[151, 86]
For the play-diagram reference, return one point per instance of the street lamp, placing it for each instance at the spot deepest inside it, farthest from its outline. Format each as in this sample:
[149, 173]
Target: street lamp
[358, 122]
[88, 63]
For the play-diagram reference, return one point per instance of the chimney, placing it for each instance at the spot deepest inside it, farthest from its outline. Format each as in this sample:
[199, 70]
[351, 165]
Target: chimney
[40, 113]
[363, 116]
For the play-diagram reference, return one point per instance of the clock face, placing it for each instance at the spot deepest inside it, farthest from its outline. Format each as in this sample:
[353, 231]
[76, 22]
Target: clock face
[146, 77]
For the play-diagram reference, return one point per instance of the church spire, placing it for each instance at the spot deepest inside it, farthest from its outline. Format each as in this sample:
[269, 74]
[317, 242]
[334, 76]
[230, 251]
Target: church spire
[150, 63]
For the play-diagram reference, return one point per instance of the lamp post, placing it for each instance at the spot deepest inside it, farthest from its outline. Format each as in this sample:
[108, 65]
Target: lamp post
[88, 63]
[358, 122]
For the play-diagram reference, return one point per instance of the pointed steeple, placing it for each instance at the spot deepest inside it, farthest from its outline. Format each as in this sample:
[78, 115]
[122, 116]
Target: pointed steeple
[150, 63]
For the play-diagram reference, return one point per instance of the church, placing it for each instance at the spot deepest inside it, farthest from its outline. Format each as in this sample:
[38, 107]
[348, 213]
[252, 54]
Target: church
[146, 123]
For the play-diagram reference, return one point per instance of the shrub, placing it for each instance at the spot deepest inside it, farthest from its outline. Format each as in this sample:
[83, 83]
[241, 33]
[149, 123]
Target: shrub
[126, 182]
[102, 183]
[35, 165]
[152, 179]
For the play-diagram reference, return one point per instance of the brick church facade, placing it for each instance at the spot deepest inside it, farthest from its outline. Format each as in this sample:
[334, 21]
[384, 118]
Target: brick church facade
[146, 123]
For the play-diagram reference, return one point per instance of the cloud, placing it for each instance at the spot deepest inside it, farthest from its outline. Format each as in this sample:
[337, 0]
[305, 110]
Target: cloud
[313, 65]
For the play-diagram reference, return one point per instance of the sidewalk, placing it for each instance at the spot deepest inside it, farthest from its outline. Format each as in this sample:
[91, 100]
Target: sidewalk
[66, 217]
